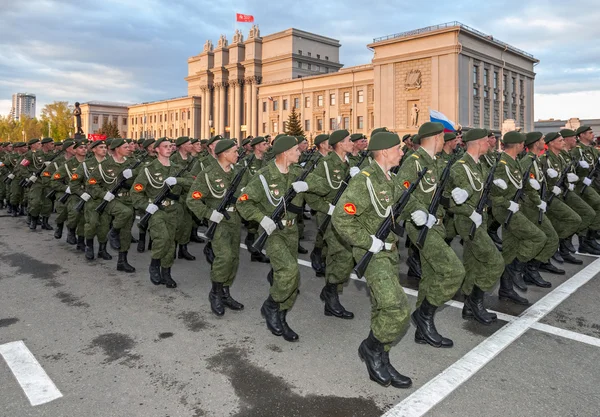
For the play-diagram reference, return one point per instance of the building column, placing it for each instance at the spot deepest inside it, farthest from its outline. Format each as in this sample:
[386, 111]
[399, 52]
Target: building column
[217, 107]
[237, 116]
[249, 115]
[208, 110]
[222, 106]
[254, 101]
[201, 118]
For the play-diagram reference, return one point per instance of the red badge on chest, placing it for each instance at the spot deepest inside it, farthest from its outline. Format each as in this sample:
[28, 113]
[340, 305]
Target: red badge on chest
[350, 208]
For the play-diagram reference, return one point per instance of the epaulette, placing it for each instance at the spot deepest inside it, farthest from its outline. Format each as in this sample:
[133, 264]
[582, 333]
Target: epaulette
[366, 173]
[461, 161]
[504, 162]
[415, 156]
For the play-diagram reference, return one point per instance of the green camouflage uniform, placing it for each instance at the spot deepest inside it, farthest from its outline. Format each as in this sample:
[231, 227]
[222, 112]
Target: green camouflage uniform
[590, 195]
[186, 222]
[86, 176]
[38, 204]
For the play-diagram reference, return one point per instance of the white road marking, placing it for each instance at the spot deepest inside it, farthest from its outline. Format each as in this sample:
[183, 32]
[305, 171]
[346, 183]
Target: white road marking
[567, 334]
[434, 391]
[36, 384]
[587, 254]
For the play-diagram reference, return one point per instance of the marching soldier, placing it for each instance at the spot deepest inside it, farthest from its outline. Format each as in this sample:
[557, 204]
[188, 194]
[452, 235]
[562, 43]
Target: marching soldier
[319, 252]
[61, 173]
[488, 160]
[32, 162]
[359, 144]
[147, 158]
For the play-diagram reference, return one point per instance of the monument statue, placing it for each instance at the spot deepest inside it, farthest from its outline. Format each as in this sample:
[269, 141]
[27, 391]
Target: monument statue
[254, 32]
[77, 115]
[238, 37]
[222, 43]
[208, 46]
[414, 115]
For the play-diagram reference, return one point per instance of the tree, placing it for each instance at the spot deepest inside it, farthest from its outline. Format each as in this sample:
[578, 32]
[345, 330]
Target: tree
[12, 130]
[294, 127]
[58, 117]
[109, 129]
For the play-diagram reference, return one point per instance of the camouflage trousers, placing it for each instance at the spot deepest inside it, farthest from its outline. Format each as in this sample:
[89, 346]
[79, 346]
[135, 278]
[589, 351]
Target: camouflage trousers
[565, 220]
[282, 249]
[38, 204]
[185, 223]
[62, 209]
[583, 209]
[226, 246]
[75, 220]
[338, 259]
[442, 271]
[122, 215]
[482, 260]
[390, 311]
[96, 224]
[551, 243]
[521, 239]
[17, 193]
[162, 227]
[591, 197]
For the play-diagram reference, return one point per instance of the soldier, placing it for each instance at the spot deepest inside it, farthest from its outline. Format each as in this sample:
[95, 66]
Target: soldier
[360, 143]
[318, 254]
[488, 160]
[61, 170]
[442, 272]
[451, 141]
[17, 192]
[482, 260]
[204, 197]
[148, 147]
[365, 204]
[32, 162]
[163, 224]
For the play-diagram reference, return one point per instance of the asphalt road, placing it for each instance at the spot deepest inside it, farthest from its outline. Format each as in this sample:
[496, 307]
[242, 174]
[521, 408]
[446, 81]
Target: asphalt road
[116, 345]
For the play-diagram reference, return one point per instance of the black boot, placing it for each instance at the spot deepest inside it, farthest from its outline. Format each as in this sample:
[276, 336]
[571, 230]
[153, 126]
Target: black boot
[150, 244]
[493, 232]
[301, 249]
[89, 249]
[532, 275]
[474, 308]
[569, 244]
[414, 265]
[33, 223]
[166, 277]
[558, 257]
[81, 243]
[46, 225]
[548, 267]
[423, 318]
[333, 307]
[566, 254]
[398, 380]
[591, 239]
[506, 291]
[154, 269]
[270, 311]
[9, 208]
[114, 239]
[141, 246]
[15, 211]
[517, 268]
[194, 236]
[586, 247]
[316, 261]
[103, 254]
[288, 334]
[371, 351]
[215, 296]
[184, 254]
[250, 238]
[229, 301]
[208, 253]
[71, 238]
[257, 256]
[59, 230]
[122, 264]
[22, 210]
[28, 220]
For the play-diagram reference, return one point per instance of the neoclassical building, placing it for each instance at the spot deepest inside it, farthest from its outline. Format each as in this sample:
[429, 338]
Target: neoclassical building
[249, 86]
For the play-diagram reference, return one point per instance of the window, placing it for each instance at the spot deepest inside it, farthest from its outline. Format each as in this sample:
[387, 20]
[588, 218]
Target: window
[319, 125]
[346, 123]
[514, 85]
[320, 101]
[475, 92]
[116, 120]
[495, 79]
[521, 90]
[160, 118]
[309, 54]
[176, 132]
[135, 135]
[332, 99]
[309, 66]
[154, 120]
[275, 127]
[475, 74]
[326, 58]
[124, 121]
[104, 119]
[95, 120]
[360, 97]
[132, 120]
[299, 51]
[307, 125]
[285, 104]
[332, 124]
[495, 96]
[264, 127]
[188, 116]
[346, 97]
[504, 80]
[176, 119]
[299, 64]
[275, 105]
[188, 131]
[359, 122]
[485, 76]
[371, 120]
[318, 56]
[296, 103]
[317, 68]
[485, 94]
[264, 106]
[307, 102]
[136, 120]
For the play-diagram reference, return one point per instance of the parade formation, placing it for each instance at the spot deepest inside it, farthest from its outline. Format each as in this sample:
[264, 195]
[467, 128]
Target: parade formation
[514, 203]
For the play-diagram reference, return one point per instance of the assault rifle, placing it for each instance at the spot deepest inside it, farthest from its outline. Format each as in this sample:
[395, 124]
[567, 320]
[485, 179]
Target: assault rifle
[485, 193]
[122, 182]
[543, 190]
[593, 173]
[519, 194]
[562, 181]
[386, 226]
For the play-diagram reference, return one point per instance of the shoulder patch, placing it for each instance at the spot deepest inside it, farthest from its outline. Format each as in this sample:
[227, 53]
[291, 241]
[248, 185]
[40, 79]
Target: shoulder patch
[350, 208]
[138, 187]
[196, 195]
[93, 181]
[74, 177]
[531, 175]
[45, 174]
[366, 173]
[406, 184]
[243, 197]
[56, 176]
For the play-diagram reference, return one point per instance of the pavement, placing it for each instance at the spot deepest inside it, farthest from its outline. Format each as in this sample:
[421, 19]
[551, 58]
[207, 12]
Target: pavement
[113, 344]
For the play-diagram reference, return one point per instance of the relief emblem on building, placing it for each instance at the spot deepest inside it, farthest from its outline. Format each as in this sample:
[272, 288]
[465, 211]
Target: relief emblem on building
[413, 80]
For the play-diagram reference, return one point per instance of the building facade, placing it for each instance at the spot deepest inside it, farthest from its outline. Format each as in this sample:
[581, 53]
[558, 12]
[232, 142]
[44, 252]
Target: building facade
[96, 113]
[552, 125]
[23, 105]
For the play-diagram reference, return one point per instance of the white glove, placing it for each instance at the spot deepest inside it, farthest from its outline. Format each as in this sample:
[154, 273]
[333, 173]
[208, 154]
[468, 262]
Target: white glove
[431, 220]
[171, 181]
[500, 183]
[85, 197]
[587, 181]
[303, 164]
[354, 171]
[571, 187]
[584, 164]
[128, 173]
[68, 190]
[216, 217]
[556, 190]
[534, 184]
[152, 208]
[459, 195]
[47, 163]
[300, 186]
[376, 246]
[543, 206]
[109, 196]
[331, 208]
[514, 207]
[33, 178]
[476, 218]
[268, 224]
[419, 218]
[552, 173]
[11, 176]
[572, 177]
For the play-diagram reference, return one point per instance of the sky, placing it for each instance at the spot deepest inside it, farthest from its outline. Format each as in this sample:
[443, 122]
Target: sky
[134, 51]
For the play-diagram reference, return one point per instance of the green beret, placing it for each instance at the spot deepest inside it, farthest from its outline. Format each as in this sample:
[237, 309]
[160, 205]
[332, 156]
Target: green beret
[379, 129]
[550, 136]
[159, 141]
[338, 136]
[490, 133]
[532, 137]
[32, 141]
[283, 144]
[19, 144]
[474, 134]
[67, 144]
[92, 144]
[405, 137]
[108, 141]
[59, 142]
[193, 141]
[582, 129]
[223, 145]
[182, 140]
[357, 136]
[47, 140]
[429, 129]
[246, 141]
[215, 137]
[321, 138]
[204, 141]
[300, 139]
[449, 136]
[567, 133]
[416, 139]
[147, 142]
[257, 140]
[115, 143]
[383, 140]
[514, 137]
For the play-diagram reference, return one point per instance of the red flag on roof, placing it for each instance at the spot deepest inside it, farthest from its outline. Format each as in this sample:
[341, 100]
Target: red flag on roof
[248, 18]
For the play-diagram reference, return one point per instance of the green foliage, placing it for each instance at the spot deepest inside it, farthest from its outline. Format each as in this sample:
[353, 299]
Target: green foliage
[109, 129]
[56, 122]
